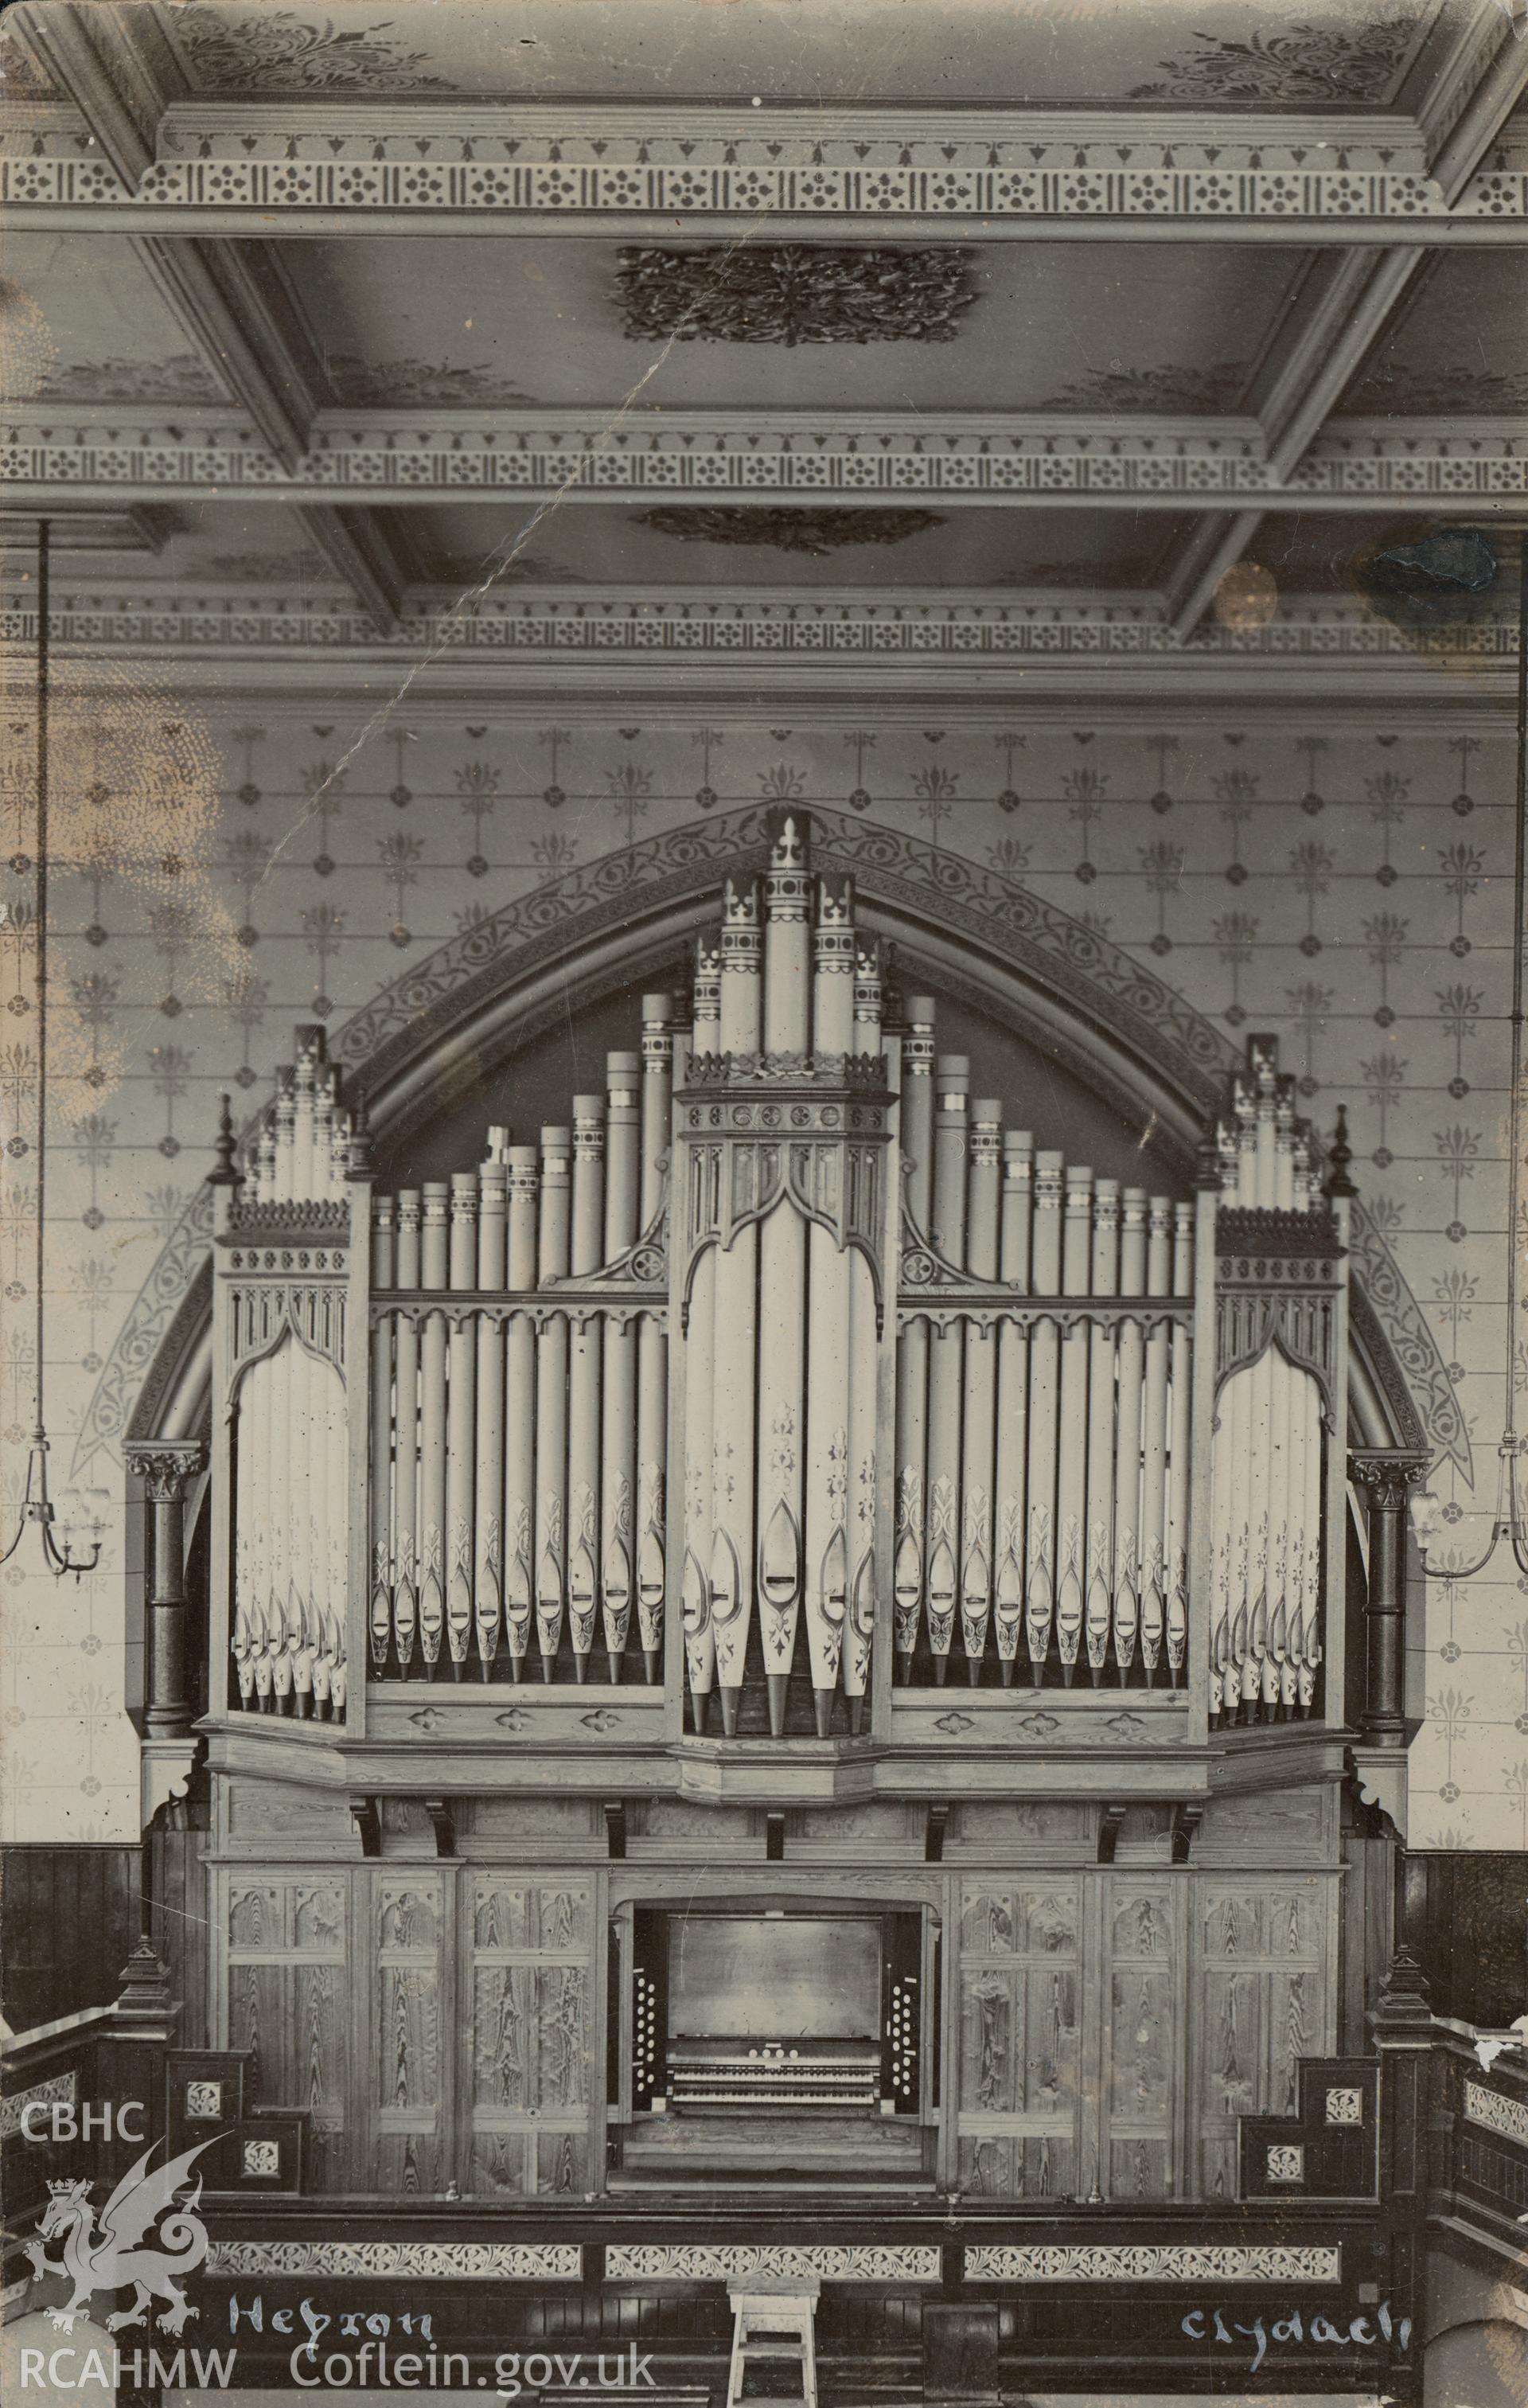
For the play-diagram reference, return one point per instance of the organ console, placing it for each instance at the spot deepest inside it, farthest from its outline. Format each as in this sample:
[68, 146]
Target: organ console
[787, 1340]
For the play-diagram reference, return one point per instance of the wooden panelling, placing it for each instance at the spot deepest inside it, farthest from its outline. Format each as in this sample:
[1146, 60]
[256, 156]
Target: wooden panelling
[1021, 2036]
[1472, 1937]
[408, 2109]
[1103, 2026]
[1260, 1999]
[179, 1930]
[1141, 2079]
[71, 1920]
[532, 1974]
[286, 2002]
[1284, 1827]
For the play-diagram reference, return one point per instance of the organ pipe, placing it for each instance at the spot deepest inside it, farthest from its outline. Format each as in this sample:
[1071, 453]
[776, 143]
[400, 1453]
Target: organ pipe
[1072, 1459]
[947, 1359]
[983, 1213]
[917, 1150]
[782, 1294]
[826, 1403]
[1044, 1383]
[703, 1204]
[618, 1434]
[488, 1483]
[434, 1263]
[383, 1472]
[586, 1240]
[522, 1183]
[460, 1423]
[1159, 1248]
[554, 1236]
[1012, 1466]
[653, 1352]
[864, 1383]
[1130, 1381]
[1098, 1612]
[735, 1342]
[1177, 1481]
[406, 1437]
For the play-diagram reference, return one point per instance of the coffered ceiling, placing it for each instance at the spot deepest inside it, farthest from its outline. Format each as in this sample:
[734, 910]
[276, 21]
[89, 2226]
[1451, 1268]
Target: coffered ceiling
[1022, 334]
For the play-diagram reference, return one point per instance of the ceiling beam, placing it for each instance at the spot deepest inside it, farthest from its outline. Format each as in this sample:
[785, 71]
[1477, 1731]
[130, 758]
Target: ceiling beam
[231, 298]
[395, 462]
[1346, 303]
[357, 547]
[234, 303]
[1215, 545]
[298, 221]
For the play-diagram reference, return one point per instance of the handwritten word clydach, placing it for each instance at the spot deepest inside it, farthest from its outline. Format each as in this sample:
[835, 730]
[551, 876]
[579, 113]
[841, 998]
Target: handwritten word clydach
[1292, 2326]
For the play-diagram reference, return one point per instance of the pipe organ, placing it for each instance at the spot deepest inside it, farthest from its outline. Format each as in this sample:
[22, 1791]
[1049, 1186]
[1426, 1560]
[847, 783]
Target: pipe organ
[783, 1360]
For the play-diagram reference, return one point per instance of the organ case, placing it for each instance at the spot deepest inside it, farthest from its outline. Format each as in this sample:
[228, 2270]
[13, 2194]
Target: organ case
[785, 1357]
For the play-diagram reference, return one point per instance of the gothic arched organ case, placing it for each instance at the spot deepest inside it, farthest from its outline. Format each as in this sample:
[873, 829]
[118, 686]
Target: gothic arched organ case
[786, 1347]
[785, 1435]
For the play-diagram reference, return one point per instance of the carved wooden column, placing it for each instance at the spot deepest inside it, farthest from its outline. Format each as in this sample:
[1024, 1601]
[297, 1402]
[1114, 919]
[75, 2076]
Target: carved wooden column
[165, 1466]
[1385, 1474]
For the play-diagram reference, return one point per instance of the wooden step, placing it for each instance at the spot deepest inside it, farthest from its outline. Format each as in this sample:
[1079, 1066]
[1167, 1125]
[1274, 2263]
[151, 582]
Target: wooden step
[701, 2183]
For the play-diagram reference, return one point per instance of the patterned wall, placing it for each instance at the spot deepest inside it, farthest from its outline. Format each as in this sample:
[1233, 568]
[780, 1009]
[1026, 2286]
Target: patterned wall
[216, 879]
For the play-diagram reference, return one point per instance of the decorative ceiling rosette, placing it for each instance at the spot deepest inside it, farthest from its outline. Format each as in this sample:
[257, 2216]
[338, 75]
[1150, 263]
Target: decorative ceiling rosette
[791, 293]
[817, 532]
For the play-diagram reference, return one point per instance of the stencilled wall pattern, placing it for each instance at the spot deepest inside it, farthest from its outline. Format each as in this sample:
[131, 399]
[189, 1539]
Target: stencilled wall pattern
[1343, 883]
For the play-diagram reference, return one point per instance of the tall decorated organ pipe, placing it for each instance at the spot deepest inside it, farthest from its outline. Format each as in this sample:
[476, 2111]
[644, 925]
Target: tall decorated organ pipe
[384, 1474]
[828, 1292]
[735, 1412]
[492, 1210]
[434, 1263]
[522, 1188]
[1012, 1407]
[983, 1213]
[460, 1423]
[917, 1148]
[782, 1299]
[587, 1231]
[700, 1204]
[864, 1376]
[617, 1438]
[1104, 1281]
[1027, 1383]
[1044, 1422]
[1130, 1362]
[406, 1439]
[552, 1398]
[653, 1354]
[947, 1357]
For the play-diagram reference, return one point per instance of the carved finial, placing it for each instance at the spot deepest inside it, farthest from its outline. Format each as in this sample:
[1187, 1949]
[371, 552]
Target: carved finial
[1339, 1155]
[789, 849]
[225, 1171]
[835, 903]
[358, 1151]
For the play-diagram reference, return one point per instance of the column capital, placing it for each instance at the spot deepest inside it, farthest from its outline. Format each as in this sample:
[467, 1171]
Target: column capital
[1386, 1473]
[165, 1464]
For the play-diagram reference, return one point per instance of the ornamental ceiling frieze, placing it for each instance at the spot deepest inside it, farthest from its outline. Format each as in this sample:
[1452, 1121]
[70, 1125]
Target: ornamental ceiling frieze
[665, 631]
[872, 140]
[701, 193]
[82, 459]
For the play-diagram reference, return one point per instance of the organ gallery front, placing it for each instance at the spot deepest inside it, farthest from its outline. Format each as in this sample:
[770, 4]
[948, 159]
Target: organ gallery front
[779, 1625]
